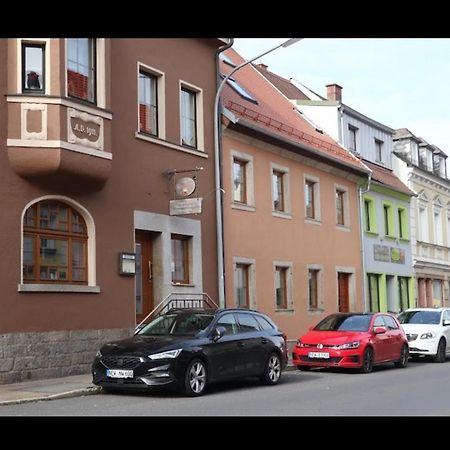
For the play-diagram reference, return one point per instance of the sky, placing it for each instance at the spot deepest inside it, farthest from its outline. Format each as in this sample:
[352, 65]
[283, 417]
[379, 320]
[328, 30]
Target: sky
[401, 83]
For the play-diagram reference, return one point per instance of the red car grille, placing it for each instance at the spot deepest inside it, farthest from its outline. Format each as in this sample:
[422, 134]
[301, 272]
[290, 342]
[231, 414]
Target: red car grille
[318, 346]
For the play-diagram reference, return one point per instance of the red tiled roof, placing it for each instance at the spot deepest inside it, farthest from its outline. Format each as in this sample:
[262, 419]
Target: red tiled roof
[284, 85]
[387, 177]
[274, 112]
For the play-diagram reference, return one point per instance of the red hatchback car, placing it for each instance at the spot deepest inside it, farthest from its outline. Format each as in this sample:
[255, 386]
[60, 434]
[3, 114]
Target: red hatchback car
[352, 340]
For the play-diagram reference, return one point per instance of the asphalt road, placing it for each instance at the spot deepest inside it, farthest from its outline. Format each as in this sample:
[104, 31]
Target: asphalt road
[420, 389]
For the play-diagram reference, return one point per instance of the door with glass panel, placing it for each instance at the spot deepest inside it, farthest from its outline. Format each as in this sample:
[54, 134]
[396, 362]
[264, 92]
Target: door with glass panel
[144, 274]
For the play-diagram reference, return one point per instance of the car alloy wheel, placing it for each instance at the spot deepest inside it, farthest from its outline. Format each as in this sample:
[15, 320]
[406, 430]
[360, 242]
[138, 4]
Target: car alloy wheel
[272, 373]
[367, 360]
[403, 360]
[195, 380]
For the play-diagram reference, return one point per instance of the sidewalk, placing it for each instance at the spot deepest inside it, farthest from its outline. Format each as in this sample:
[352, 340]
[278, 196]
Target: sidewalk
[32, 391]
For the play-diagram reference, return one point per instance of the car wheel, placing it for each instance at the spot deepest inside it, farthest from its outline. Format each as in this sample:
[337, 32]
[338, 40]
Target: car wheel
[272, 373]
[367, 364]
[304, 368]
[195, 378]
[403, 360]
[440, 355]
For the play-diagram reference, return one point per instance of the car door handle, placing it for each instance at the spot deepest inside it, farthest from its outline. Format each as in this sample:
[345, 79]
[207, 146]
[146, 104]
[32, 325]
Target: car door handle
[240, 344]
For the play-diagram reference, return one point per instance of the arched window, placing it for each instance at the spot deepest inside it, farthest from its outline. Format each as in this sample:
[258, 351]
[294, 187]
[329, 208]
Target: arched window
[54, 244]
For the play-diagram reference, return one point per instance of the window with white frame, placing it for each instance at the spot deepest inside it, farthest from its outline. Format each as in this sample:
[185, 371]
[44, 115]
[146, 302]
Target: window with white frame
[242, 180]
[378, 150]
[283, 279]
[438, 237]
[81, 69]
[311, 196]
[315, 298]
[423, 223]
[242, 292]
[352, 132]
[239, 181]
[342, 212]
[33, 67]
[148, 103]
[280, 189]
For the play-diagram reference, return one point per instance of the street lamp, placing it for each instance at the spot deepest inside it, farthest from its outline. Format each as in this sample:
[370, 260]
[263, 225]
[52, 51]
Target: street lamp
[218, 187]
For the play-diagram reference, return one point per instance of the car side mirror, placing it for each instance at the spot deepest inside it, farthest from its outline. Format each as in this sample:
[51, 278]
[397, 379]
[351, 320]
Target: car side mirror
[379, 330]
[218, 333]
[446, 322]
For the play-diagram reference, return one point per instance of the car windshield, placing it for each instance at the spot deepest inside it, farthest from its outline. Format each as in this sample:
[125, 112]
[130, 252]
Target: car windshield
[177, 324]
[339, 322]
[424, 317]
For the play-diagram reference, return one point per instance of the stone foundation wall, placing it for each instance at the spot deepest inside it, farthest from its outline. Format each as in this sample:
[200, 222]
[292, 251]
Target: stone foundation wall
[32, 356]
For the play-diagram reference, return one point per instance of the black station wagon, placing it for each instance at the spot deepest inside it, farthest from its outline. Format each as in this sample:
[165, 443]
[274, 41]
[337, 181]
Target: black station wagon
[191, 348]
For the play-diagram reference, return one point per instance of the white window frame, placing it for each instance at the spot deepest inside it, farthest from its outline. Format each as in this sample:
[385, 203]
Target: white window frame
[344, 189]
[289, 267]
[199, 115]
[320, 289]
[317, 209]
[249, 180]
[286, 213]
[251, 263]
[47, 57]
[160, 94]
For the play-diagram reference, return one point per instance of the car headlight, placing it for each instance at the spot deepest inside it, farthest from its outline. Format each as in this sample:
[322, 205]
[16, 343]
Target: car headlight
[428, 335]
[348, 345]
[166, 355]
[299, 343]
[98, 354]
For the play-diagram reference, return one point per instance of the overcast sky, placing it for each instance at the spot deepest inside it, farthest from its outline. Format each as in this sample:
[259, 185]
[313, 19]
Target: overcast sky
[402, 83]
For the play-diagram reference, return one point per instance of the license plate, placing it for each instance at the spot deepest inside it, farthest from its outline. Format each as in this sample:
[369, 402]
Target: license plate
[115, 373]
[318, 355]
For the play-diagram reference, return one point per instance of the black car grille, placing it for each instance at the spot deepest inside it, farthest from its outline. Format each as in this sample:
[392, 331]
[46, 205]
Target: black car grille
[411, 337]
[332, 360]
[135, 381]
[122, 362]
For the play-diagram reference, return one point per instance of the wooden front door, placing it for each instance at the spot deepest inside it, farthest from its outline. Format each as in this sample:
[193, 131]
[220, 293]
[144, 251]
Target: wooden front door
[144, 274]
[343, 292]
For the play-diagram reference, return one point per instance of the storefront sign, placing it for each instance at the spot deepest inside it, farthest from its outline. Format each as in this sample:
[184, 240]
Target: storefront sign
[186, 206]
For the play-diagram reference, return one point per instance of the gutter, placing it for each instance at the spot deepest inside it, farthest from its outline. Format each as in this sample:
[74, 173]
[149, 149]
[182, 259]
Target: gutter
[313, 150]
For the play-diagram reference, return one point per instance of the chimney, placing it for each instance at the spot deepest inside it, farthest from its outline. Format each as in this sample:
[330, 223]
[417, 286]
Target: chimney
[262, 66]
[334, 92]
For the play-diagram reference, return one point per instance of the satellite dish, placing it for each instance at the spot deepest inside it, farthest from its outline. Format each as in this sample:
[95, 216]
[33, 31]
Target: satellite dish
[185, 186]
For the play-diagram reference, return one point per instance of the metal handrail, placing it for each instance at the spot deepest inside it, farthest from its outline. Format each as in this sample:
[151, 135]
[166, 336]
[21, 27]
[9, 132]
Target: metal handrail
[170, 302]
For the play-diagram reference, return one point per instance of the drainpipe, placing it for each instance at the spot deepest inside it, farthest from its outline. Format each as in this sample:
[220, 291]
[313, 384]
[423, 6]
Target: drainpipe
[219, 192]
[361, 192]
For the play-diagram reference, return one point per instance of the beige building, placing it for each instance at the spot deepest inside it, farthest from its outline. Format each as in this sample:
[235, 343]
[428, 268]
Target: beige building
[291, 220]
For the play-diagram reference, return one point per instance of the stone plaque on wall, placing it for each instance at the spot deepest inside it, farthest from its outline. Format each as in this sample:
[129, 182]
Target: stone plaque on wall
[84, 129]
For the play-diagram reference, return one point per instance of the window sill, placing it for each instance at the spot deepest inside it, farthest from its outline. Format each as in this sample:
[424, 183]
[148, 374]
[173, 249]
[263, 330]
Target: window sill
[164, 143]
[314, 311]
[285, 311]
[343, 228]
[370, 233]
[182, 284]
[243, 207]
[404, 240]
[313, 221]
[58, 288]
[281, 215]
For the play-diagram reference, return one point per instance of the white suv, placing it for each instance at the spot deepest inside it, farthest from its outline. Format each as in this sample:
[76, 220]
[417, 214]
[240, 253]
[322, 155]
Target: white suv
[428, 331]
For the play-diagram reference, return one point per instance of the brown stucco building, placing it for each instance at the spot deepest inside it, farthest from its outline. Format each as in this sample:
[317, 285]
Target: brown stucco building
[94, 135]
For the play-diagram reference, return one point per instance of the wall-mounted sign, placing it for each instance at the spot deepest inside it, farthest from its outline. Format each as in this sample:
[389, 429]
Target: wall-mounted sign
[84, 129]
[186, 206]
[127, 263]
[388, 254]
